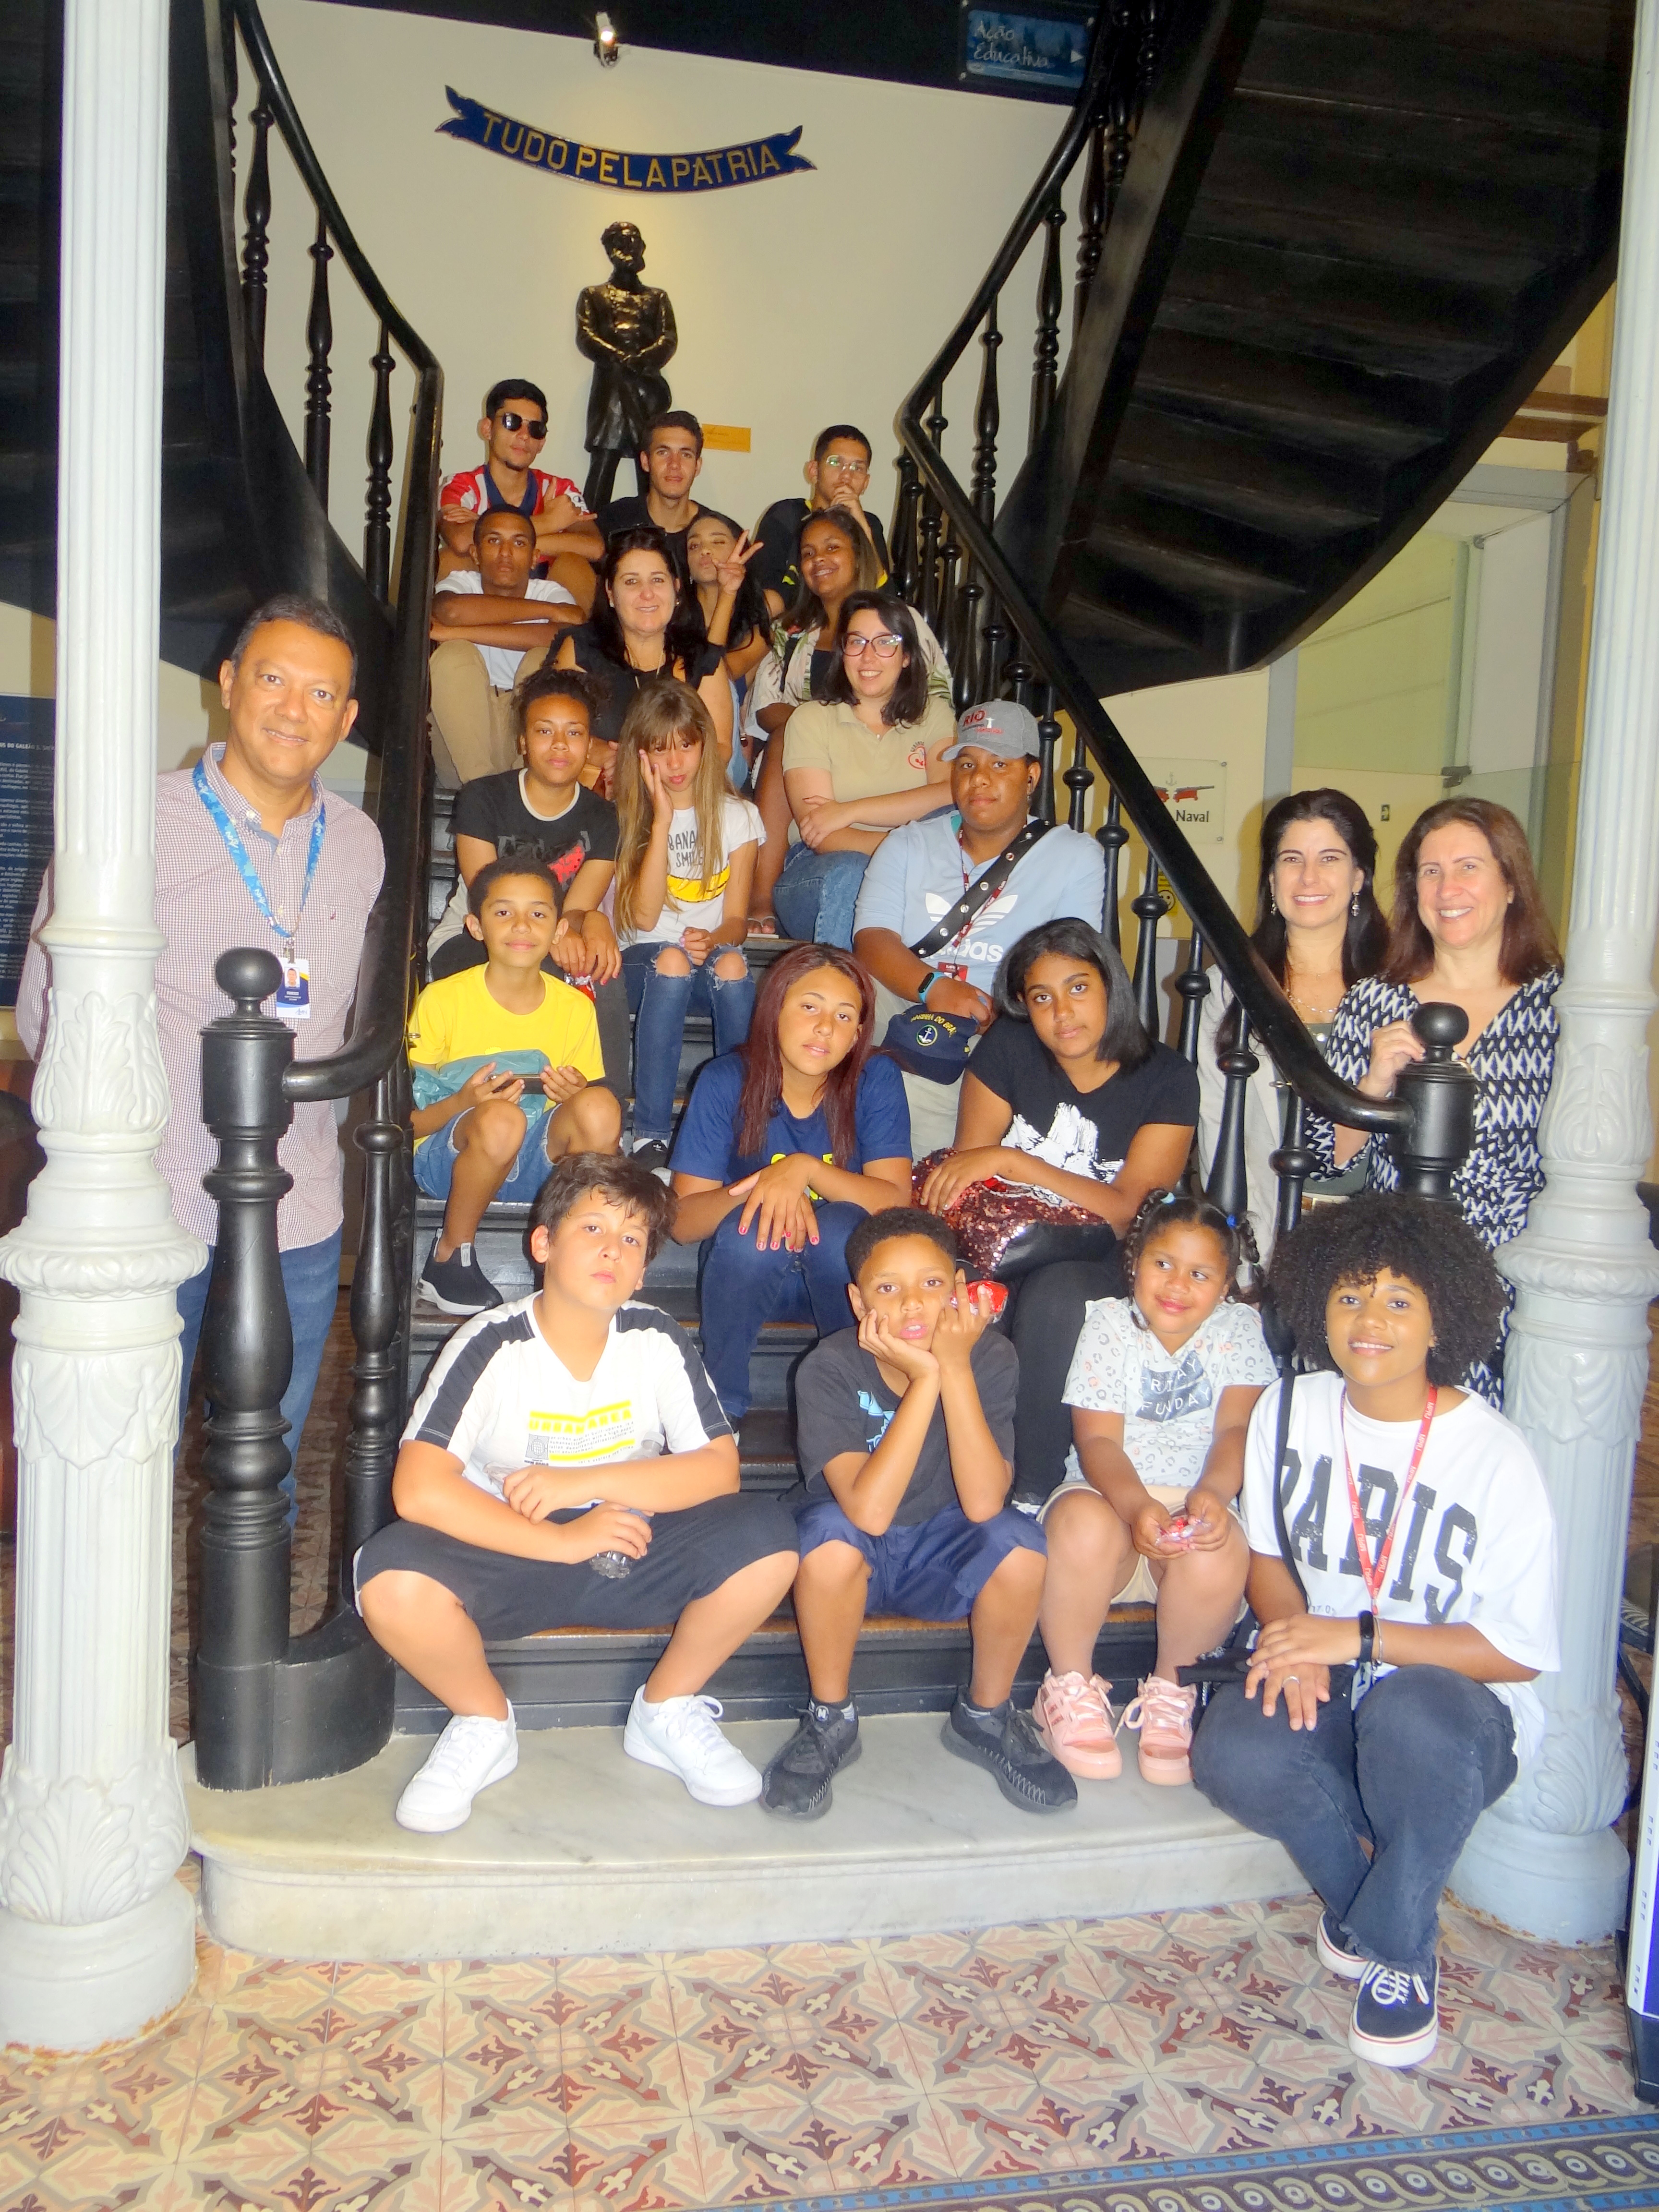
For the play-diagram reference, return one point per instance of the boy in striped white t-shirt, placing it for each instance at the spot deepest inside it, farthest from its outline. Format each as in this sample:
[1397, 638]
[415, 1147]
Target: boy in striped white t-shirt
[567, 1465]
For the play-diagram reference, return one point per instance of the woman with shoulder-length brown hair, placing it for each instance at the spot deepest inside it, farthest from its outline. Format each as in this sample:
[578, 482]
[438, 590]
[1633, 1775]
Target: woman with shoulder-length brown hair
[1468, 929]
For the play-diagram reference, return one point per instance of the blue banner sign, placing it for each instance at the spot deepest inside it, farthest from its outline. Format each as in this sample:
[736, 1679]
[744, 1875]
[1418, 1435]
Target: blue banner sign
[749, 163]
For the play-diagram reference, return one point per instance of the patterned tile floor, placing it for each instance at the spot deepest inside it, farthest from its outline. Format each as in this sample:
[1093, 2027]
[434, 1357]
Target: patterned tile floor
[802, 2071]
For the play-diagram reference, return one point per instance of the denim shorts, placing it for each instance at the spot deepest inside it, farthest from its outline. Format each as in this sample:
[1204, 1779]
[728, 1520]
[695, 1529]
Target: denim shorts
[932, 1570]
[434, 1162]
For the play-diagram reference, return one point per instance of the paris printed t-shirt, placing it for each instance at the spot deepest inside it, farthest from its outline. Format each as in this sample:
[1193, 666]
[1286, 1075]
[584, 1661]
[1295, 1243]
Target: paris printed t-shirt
[695, 898]
[500, 1396]
[1475, 1543]
[919, 873]
[1087, 1133]
[1167, 1399]
[494, 810]
[842, 1405]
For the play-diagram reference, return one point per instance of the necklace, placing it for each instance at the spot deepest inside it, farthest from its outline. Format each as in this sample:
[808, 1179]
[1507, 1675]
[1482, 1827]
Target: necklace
[1311, 1009]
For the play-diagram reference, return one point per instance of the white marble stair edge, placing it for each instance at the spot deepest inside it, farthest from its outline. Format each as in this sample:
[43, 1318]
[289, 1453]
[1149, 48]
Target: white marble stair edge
[584, 1852]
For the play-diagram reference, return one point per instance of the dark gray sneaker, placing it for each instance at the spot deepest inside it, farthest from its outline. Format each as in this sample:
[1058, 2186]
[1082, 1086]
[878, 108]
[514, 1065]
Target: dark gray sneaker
[654, 1154]
[1005, 1743]
[798, 1782]
[1396, 2016]
[458, 1285]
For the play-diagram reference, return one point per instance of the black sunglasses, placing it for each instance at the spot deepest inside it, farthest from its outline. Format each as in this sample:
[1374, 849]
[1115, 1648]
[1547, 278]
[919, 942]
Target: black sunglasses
[537, 428]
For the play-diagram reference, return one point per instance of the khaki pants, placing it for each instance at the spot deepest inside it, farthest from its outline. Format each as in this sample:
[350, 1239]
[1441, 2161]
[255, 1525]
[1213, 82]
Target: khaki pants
[932, 1105]
[473, 733]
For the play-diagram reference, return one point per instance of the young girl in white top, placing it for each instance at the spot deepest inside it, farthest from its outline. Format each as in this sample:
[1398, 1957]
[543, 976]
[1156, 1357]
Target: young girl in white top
[1161, 1388]
[685, 859]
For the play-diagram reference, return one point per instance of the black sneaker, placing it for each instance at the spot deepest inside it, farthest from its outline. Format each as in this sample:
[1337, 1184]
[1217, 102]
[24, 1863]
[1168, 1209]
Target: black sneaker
[1005, 1743]
[1396, 2020]
[1336, 1954]
[652, 1154]
[458, 1285]
[797, 1781]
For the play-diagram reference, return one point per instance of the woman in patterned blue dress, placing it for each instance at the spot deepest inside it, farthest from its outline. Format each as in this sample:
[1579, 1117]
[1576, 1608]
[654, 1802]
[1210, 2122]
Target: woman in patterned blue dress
[1469, 929]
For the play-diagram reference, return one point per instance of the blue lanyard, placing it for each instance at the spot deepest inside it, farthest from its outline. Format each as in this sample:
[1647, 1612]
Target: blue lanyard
[239, 853]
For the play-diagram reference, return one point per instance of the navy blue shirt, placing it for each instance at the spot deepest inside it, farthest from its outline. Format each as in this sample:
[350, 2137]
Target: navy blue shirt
[707, 1143]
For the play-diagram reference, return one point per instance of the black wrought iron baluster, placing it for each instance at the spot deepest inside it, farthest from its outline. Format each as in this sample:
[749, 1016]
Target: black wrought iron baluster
[949, 560]
[1149, 909]
[1078, 779]
[1120, 117]
[228, 51]
[256, 210]
[1151, 35]
[1091, 224]
[320, 343]
[931, 520]
[1192, 987]
[1293, 1162]
[906, 564]
[1112, 837]
[1047, 742]
[248, 1352]
[1229, 1185]
[377, 526]
[1018, 673]
[993, 637]
[1045, 359]
[987, 422]
[377, 1289]
[965, 645]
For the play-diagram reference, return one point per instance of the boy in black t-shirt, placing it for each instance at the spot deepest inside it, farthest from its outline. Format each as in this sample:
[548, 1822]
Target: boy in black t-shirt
[838, 476]
[905, 1431]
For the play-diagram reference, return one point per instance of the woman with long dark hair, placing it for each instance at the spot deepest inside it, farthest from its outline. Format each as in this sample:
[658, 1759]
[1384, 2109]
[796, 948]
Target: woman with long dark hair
[641, 627]
[1068, 1093]
[785, 1143]
[1469, 929]
[1319, 931]
[858, 761]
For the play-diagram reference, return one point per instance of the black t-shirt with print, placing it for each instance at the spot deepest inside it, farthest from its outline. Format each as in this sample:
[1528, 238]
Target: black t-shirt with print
[1087, 1132]
[842, 1405]
[777, 566]
[633, 514]
[492, 809]
[621, 682]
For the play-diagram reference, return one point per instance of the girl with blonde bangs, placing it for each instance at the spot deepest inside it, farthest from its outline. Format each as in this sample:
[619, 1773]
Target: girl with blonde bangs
[685, 863]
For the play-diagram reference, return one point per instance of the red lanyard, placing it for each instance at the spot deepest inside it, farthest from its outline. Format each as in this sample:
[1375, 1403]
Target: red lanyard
[1374, 1573]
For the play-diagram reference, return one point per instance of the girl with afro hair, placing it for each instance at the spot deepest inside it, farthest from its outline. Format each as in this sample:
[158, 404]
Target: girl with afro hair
[1405, 1597]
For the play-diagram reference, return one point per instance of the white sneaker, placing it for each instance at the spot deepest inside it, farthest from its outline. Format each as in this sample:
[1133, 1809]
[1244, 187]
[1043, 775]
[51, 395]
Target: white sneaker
[472, 1752]
[680, 1736]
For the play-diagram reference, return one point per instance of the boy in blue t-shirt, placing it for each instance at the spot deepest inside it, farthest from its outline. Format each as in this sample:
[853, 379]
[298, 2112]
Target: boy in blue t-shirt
[905, 1427]
[785, 1144]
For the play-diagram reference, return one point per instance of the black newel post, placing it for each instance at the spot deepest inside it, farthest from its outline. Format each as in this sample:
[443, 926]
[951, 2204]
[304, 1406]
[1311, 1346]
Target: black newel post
[1441, 1092]
[1229, 1185]
[247, 1349]
[1293, 1162]
[1192, 987]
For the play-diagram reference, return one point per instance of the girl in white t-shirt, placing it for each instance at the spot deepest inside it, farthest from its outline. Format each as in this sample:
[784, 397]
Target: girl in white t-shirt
[685, 859]
[1406, 1608]
[1161, 1387]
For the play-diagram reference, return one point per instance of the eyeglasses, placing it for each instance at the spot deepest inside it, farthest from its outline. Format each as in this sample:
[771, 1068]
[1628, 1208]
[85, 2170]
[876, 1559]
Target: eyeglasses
[843, 466]
[883, 646]
[536, 428]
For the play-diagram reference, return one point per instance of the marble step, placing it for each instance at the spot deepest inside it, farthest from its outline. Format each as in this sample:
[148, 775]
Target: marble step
[583, 1850]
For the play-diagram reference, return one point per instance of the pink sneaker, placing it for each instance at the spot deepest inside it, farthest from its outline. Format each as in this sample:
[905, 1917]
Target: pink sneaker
[1163, 1714]
[1074, 1719]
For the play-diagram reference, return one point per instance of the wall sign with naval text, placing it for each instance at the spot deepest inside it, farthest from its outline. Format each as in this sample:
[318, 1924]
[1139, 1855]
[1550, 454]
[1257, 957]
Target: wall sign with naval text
[749, 163]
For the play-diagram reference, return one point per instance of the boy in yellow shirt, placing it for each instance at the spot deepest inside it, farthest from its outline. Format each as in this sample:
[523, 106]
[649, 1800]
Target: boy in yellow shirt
[507, 1070]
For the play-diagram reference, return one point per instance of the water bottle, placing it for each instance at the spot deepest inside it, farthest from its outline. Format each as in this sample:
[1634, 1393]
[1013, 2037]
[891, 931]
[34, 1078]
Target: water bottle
[613, 1566]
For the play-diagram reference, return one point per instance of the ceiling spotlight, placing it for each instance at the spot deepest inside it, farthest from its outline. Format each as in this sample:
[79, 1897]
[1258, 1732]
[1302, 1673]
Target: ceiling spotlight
[607, 46]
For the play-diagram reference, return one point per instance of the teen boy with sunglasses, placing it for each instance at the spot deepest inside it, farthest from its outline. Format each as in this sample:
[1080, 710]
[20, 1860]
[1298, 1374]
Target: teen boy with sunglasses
[513, 426]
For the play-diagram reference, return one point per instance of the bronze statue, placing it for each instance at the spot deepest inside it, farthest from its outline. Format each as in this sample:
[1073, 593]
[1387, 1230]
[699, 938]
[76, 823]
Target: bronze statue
[626, 329]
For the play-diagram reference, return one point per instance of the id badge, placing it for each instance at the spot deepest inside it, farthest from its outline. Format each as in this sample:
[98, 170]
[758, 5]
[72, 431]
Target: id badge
[953, 969]
[292, 1001]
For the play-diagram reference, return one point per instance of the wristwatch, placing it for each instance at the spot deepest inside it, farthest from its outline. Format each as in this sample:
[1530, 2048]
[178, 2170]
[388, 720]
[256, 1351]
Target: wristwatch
[932, 978]
[1367, 1637]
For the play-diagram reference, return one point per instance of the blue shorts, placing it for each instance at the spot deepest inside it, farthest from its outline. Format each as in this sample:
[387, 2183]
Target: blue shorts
[931, 1571]
[434, 1163]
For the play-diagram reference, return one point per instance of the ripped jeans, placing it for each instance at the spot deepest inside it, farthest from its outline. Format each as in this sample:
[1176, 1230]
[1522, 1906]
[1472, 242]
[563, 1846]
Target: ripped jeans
[660, 1004]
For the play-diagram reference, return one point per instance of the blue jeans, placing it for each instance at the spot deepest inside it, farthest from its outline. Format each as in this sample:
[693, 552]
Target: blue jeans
[661, 1003]
[743, 1287]
[311, 1283]
[1407, 1771]
[816, 893]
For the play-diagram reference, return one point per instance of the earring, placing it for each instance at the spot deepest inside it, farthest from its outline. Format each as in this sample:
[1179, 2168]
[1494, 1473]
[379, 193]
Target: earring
[1273, 903]
[1353, 906]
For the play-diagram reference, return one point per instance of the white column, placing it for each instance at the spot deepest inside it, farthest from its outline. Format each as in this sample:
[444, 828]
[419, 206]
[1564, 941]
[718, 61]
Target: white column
[1544, 1858]
[96, 1937]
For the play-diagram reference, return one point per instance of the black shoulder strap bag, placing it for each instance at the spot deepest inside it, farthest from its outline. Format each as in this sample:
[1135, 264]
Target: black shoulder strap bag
[1232, 1662]
[938, 1045]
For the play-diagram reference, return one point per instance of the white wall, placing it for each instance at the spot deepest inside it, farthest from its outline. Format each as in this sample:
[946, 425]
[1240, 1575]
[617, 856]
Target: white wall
[777, 332]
